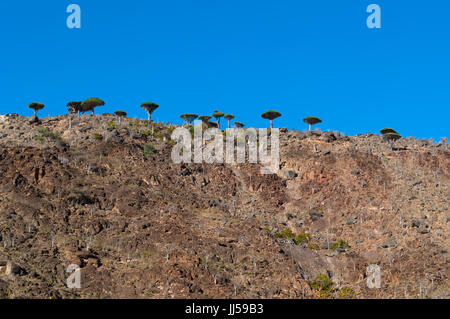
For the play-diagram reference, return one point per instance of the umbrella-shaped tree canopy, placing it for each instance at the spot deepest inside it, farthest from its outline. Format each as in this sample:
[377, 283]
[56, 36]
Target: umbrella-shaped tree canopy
[271, 115]
[391, 136]
[387, 130]
[228, 117]
[217, 115]
[149, 107]
[74, 107]
[189, 118]
[120, 113]
[184, 117]
[239, 124]
[91, 103]
[36, 106]
[311, 120]
[204, 118]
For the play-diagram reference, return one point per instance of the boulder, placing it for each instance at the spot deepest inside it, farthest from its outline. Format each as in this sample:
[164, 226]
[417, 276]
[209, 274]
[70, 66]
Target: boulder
[288, 174]
[13, 270]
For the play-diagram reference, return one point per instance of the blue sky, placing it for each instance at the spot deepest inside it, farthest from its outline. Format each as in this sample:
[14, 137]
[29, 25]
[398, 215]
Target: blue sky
[238, 56]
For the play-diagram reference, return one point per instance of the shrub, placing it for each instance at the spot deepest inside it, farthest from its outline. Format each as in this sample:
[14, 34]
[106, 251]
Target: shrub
[340, 245]
[346, 293]
[312, 120]
[288, 234]
[45, 133]
[171, 129]
[303, 238]
[271, 115]
[285, 234]
[111, 125]
[322, 285]
[149, 149]
[98, 137]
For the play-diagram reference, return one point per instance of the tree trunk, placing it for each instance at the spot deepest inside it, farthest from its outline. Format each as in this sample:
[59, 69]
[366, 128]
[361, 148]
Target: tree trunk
[35, 113]
[228, 123]
[271, 124]
[309, 127]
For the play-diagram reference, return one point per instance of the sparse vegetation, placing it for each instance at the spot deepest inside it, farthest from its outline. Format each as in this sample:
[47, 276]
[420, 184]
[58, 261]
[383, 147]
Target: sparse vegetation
[48, 135]
[149, 149]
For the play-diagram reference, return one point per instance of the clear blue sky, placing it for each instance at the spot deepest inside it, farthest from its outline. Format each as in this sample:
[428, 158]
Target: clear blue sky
[238, 56]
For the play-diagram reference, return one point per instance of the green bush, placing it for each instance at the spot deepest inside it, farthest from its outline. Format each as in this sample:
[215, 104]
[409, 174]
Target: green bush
[346, 293]
[285, 234]
[111, 125]
[288, 234]
[149, 149]
[303, 238]
[98, 137]
[340, 245]
[48, 135]
[322, 285]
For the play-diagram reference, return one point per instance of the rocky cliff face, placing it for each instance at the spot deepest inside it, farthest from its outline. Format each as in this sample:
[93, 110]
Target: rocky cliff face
[108, 198]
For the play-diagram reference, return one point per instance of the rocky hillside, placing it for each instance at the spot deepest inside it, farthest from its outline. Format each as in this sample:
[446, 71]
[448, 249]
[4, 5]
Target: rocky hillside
[107, 197]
